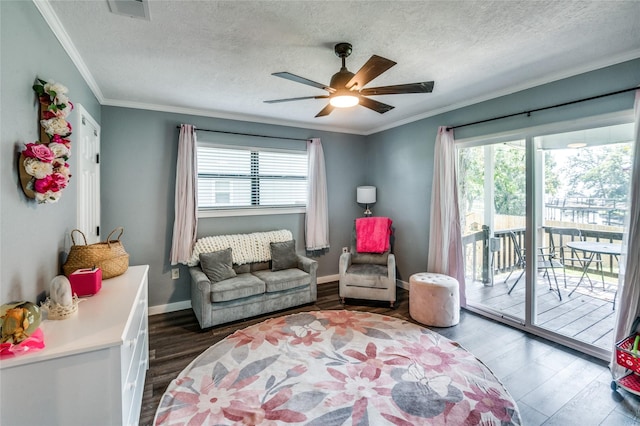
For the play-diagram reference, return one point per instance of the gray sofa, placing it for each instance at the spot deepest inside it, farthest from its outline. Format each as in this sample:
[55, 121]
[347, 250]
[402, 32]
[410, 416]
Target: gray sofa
[254, 290]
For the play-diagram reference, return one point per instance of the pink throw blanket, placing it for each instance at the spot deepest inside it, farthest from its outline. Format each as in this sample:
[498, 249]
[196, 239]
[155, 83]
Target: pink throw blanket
[372, 234]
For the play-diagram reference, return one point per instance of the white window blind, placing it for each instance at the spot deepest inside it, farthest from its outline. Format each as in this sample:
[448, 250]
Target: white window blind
[231, 177]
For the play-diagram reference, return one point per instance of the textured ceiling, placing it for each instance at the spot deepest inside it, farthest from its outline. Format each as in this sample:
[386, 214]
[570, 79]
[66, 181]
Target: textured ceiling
[215, 58]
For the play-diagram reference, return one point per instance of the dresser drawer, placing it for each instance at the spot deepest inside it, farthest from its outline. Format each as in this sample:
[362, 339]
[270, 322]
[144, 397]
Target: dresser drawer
[134, 384]
[136, 397]
[134, 335]
[130, 368]
[135, 357]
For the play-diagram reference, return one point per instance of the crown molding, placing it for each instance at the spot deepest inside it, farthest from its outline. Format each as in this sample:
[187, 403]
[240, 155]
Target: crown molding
[49, 15]
[227, 116]
[613, 60]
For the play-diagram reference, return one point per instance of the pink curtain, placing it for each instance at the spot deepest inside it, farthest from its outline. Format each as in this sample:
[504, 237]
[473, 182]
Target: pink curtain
[628, 298]
[445, 237]
[317, 217]
[186, 206]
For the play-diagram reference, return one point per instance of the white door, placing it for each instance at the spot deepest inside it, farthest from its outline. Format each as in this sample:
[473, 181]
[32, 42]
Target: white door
[87, 151]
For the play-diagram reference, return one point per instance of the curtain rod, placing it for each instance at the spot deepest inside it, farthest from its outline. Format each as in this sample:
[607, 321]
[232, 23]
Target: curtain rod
[528, 113]
[246, 134]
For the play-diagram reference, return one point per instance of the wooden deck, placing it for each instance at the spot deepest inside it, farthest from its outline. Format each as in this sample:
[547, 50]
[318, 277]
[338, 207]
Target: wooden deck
[587, 315]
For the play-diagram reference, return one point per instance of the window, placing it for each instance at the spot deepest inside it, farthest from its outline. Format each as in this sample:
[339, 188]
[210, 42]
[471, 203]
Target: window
[231, 177]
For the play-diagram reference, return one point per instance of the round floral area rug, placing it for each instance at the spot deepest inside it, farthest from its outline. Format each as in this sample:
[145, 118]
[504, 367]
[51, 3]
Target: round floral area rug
[336, 368]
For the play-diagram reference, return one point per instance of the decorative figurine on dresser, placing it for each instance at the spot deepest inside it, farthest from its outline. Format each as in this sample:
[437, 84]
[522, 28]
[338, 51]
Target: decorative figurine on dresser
[62, 302]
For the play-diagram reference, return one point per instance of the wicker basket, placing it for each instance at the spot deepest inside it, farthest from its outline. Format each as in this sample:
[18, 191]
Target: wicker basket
[110, 256]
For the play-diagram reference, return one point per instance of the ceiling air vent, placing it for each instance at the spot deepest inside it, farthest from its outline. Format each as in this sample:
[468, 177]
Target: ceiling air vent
[133, 8]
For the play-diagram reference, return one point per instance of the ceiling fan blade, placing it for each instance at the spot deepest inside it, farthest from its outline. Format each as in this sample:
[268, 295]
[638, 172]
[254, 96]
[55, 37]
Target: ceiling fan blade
[275, 101]
[375, 66]
[298, 79]
[424, 87]
[375, 105]
[325, 111]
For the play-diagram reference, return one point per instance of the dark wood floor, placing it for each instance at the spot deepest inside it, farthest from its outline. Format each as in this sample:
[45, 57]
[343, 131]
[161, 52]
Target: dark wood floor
[551, 384]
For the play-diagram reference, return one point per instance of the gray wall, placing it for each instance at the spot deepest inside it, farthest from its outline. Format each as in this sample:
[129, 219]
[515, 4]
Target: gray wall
[139, 151]
[33, 236]
[401, 159]
[138, 157]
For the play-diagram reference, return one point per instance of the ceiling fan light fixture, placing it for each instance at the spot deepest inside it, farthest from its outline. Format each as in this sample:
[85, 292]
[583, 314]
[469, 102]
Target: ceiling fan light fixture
[344, 101]
[348, 89]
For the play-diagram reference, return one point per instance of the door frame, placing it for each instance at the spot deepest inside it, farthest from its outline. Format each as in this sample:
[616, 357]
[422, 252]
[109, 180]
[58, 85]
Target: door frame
[82, 119]
[533, 218]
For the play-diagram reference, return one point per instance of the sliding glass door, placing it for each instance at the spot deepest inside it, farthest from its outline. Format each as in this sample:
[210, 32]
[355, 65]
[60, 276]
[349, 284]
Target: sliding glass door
[542, 221]
[492, 197]
[583, 201]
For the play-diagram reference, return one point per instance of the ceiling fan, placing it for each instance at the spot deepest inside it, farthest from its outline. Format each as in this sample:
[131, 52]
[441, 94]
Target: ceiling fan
[347, 89]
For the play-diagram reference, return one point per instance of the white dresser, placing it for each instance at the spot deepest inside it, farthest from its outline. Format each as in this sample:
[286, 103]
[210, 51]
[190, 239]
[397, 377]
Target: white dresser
[93, 366]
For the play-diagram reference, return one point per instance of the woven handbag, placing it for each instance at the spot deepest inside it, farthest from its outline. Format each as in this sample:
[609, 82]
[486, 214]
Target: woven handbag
[110, 256]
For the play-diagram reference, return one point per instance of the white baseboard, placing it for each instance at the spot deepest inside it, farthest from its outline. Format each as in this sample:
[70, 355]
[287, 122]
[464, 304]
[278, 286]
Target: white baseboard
[402, 284]
[169, 307]
[328, 279]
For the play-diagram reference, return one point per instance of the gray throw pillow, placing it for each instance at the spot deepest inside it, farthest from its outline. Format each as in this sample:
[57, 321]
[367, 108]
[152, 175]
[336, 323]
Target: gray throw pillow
[217, 265]
[283, 255]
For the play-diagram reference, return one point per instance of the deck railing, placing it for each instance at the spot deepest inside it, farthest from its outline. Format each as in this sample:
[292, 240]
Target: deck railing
[485, 255]
[587, 210]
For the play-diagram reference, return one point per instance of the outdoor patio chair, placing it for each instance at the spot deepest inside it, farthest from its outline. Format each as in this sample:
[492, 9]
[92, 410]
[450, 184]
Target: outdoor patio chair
[519, 259]
[546, 261]
[570, 255]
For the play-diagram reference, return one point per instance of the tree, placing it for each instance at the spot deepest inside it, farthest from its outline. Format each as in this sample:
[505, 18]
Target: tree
[470, 176]
[600, 172]
[510, 180]
[508, 176]
[551, 175]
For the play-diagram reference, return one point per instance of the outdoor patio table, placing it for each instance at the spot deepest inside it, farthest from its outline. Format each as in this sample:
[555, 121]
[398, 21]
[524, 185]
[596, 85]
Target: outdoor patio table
[593, 249]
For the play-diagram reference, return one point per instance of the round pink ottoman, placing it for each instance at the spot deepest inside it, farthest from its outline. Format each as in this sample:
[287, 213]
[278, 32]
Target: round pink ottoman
[434, 299]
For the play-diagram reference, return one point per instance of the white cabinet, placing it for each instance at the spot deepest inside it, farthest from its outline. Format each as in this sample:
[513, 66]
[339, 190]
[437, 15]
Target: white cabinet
[93, 366]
